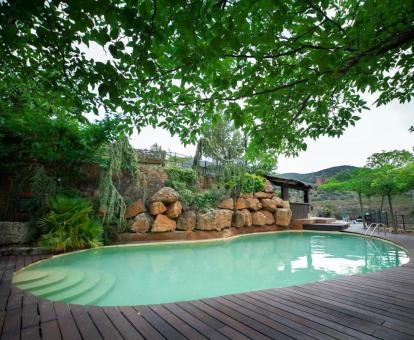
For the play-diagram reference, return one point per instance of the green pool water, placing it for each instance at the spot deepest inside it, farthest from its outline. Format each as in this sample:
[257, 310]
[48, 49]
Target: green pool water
[159, 273]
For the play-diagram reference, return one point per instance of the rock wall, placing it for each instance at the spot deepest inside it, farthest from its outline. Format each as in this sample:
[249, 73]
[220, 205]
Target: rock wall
[14, 233]
[163, 212]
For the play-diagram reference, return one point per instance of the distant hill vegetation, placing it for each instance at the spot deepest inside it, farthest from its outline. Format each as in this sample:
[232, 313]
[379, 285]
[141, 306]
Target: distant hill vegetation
[312, 177]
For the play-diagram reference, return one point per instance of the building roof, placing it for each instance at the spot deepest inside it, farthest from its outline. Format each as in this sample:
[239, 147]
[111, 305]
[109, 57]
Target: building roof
[290, 183]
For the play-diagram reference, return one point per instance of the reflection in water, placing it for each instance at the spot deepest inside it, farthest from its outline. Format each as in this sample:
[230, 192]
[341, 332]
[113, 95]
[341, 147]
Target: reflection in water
[175, 272]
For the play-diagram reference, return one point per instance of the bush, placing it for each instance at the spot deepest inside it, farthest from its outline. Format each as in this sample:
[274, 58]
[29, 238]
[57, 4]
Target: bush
[178, 176]
[247, 183]
[68, 225]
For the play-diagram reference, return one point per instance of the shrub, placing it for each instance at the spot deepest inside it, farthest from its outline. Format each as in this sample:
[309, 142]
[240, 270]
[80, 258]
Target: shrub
[68, 225]
[247, 183]
[178, 176]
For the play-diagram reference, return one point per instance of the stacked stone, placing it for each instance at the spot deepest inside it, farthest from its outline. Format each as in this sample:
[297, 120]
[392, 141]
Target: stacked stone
[164, 209]
[165, 212]
[258, 209]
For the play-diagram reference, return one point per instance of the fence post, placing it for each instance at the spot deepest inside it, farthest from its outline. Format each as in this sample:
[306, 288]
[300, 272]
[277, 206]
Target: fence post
[403, 221]
[386, 218]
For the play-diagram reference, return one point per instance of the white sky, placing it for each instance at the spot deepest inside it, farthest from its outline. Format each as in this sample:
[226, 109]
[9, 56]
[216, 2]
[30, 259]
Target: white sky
[382, 128]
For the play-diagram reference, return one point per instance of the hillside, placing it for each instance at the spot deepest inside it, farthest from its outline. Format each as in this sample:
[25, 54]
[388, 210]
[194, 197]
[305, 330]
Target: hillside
[312, 176]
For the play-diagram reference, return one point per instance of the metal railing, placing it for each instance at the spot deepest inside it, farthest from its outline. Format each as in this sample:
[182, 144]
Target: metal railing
[376, 226]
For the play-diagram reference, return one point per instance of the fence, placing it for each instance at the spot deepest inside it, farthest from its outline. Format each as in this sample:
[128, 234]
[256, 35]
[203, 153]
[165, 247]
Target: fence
[400, 220]
[164, 158]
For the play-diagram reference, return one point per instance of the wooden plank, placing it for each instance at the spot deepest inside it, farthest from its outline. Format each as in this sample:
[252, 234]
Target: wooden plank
[85, 325]
[199, 325]
[31, 333]
[378, 328]
[158, 323]
[370, 315]
[102, 323]
[67, 324]
[316, 316]
[184, 328]
[30, 317]
[123, 326]
[240, 327]
[201, 315]
[259, 327]
[50, 330]
[140, 324]
[12, 325]
[312, 328]
[338, 295]
[255, 314]
[46, 310]
[374, 306]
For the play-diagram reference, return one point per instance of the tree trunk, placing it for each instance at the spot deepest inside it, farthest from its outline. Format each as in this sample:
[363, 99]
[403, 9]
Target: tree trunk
[382, 202]
[392, 212]
[369, 205]
[361, 208]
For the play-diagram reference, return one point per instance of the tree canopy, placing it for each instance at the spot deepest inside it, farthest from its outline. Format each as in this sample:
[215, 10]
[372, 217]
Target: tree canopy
[282, 70]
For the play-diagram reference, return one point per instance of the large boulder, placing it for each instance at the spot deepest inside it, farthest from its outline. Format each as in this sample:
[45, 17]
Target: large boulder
[262, 194]
[157, 208]
[269, 204]
[206, 220]
[247, 216]
[223, 218]
[187, 221]
[283, 216]
[134, 209]
[227, 203]
[238, 219]
[286, 204]
[163, 223]
[270, 219]
[279, 201]
[258, 218]
[268, 186]
[214, 219]
[165, 195]
[142, 223]
[241, 203]
[174, 210]
[247, 195]
[253, 204]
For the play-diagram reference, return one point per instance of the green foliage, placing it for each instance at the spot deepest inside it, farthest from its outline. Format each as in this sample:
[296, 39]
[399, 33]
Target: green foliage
[395, 159]
[68, 225]
[120, 157]
[186, 176]
[282, 70]
[222, 142]
[205, 199]
[58, 142]
[247, 183]
[43, 188]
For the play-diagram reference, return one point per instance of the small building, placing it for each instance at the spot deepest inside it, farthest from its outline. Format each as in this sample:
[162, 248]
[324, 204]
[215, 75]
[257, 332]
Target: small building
[299, 209]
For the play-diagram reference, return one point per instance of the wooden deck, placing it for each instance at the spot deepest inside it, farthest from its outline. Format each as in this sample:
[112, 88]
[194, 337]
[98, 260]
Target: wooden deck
[377, 305]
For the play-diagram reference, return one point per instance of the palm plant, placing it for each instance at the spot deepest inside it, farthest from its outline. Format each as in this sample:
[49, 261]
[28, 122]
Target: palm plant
[68, 225]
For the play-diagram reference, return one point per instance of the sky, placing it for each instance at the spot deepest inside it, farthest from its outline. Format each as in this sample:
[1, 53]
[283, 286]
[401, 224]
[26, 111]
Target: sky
[380, 128]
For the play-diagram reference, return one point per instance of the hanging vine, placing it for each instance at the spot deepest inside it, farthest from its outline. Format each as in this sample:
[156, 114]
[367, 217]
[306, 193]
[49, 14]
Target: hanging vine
[121, 157]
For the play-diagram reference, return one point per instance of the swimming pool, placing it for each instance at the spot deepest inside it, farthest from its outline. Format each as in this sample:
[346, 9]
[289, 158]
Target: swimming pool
[170, 272]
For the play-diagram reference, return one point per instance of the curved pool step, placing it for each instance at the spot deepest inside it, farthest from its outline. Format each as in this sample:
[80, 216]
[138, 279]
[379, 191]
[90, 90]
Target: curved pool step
[105, 285]
[89, 282]
[51, 278]
[28, 276]
[72, 279]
